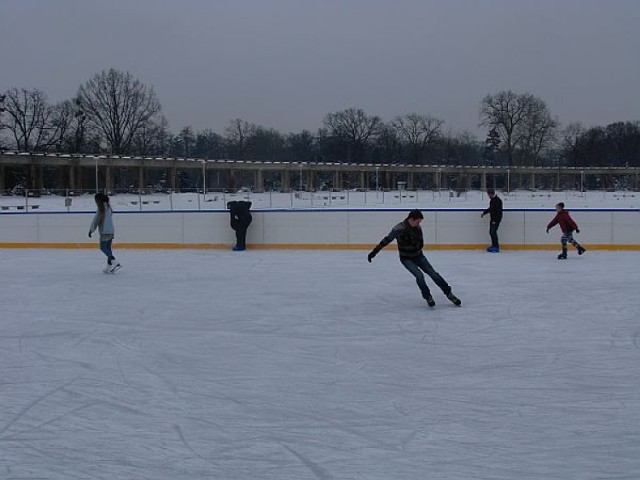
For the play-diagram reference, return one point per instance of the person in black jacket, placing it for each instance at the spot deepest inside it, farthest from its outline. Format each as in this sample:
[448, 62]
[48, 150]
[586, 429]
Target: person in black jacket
[495, 213]
[410, 242]
[240, 220]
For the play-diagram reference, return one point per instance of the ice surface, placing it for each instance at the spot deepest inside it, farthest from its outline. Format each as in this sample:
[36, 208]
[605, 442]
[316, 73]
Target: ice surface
[318, 365]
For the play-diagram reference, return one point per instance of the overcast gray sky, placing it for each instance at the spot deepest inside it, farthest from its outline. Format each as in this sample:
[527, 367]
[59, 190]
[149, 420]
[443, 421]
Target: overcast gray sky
[286, 63]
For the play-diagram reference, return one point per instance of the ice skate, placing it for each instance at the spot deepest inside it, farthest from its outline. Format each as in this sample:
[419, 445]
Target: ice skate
[562, 256]
[455, 300]
[581, 250]
[114, 266]
[430, 301]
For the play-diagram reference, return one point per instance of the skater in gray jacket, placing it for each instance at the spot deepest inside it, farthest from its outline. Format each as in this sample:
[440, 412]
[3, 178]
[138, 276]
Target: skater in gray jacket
[103, 221]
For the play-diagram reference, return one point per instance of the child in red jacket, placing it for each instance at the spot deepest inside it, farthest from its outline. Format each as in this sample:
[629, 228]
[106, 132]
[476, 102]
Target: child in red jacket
[568, 226]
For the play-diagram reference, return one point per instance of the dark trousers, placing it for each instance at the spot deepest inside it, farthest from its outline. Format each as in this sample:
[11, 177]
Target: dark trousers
[240, 228]
[241, 236]
[493, 232]
[420, 264]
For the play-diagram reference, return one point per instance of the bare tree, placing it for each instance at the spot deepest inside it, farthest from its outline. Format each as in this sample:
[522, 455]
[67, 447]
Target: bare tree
[183, 144]
[354, 129]
[28, 117]
[2, 110]
[66, 127]
[387, 147]
[539, 133]
[522, 120]
[119, 107]
[209, 144]
[301, 146]
[153, 138]
[569, 143]
[418, 131]
[237, 134]
[266, 144]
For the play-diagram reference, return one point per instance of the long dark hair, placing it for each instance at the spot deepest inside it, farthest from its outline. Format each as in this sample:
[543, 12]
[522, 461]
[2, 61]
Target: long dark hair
[102, 201]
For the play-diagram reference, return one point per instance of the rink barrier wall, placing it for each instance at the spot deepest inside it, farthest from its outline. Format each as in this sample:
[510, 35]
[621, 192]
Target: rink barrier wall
[344, 229]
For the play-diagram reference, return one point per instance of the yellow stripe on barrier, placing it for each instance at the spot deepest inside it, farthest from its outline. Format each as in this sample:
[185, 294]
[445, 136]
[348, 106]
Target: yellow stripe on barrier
[308, 246]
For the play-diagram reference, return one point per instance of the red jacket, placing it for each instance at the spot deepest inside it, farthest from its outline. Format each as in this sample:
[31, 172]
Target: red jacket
[566, 222]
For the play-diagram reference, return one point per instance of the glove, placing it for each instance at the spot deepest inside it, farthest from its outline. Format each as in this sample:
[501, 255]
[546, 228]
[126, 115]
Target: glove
[577, 230]
[372, 254]
[547, 230]
[89, 234]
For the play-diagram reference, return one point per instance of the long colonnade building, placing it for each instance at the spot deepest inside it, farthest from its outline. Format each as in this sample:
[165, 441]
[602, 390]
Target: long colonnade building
[36, 172]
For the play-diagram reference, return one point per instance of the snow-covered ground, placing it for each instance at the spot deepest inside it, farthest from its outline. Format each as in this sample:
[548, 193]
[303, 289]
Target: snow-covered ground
[318, 365]
[343, 199]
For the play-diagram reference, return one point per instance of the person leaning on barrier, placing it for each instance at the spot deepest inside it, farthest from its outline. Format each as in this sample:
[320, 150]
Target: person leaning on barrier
[495, 212]
[240, 220]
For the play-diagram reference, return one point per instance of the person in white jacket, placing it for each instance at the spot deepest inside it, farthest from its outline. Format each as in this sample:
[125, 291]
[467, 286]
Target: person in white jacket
[103, 221]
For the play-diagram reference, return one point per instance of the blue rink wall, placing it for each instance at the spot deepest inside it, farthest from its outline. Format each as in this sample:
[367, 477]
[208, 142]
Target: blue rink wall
[321, 229]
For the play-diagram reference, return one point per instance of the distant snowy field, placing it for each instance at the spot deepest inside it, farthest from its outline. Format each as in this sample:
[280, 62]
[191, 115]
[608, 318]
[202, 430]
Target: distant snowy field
[318, 365]
[343, 199]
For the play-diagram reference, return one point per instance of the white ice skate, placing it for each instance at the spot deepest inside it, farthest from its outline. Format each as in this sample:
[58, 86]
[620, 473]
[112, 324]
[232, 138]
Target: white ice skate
[113, 268]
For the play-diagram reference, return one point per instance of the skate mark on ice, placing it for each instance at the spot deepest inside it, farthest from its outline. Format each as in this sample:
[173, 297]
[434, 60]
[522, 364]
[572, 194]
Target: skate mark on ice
[217, 396]
[408, 439]
[85, 337]
[188, 446]
[31, 405]
[51, 359]
[119, 343]
[55, 419]
[24, 336]
[316, 469]
[57, 455]
[122, 374]
[304, 355]
[636, 339]
[352, 372]
[164, 380]
[399, 409]
[40, 335]
[352, 431]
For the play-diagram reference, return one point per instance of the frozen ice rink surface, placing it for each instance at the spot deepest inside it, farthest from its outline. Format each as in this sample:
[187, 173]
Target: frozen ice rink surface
[318, 365]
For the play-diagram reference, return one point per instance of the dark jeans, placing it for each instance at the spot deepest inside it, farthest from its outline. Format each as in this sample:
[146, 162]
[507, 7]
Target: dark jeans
[241, 237]
[420, 264]
[105, 247]
[493, 232]
[240, 226]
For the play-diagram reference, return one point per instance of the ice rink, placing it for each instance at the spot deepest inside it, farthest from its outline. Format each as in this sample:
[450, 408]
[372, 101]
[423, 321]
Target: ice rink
[294, 365]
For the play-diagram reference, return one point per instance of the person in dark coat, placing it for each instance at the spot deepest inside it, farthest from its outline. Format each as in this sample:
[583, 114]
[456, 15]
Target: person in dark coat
[568, 226]
[240, 220]
[408, 234]
[495, 213]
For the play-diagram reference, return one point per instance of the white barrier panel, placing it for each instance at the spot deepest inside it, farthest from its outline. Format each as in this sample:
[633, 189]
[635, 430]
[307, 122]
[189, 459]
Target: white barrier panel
[453, 228]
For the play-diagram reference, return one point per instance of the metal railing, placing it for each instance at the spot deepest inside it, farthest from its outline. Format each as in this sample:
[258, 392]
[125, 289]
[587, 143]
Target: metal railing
[149, 199]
